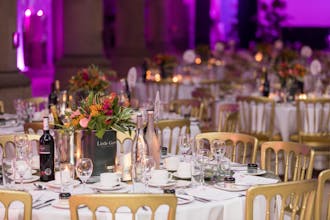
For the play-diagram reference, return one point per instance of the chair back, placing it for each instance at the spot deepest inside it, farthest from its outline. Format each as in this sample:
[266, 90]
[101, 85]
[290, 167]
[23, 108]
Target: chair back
[9, 196]
[35, 127]
[240, 148]
[257, 115]
[2, 106]
[299, 195]
[208, 103]
[170, 131]
[40, 103]
[191, 107]
[322, 198]
[228, 117]
[8, 145]
[313, 121]
[122, 139]
[168, 90]
[293, 159]
[115, 201]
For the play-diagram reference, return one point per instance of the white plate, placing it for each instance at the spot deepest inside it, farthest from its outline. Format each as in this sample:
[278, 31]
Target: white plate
[175, 174]
[184, 199]
[233, 188]
[258, 173]
[54, 184]
[61, 204]
[100, 187]
[30, 180]
[170, 183]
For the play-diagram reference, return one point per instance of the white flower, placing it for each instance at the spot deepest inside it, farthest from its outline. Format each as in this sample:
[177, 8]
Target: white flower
[306, 51]
[189, 56]
[315, 67]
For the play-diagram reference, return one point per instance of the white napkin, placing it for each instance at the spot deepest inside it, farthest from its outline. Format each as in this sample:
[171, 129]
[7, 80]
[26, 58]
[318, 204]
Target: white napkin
[131, 78]
[211, 193]
[157, 106]
[248, 180]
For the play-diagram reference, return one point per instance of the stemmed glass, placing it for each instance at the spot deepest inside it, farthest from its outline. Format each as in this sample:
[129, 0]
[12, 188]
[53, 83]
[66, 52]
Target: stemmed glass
[149, 166]
[184, 144]
[22, 164]
[84, 169]
[218, 149]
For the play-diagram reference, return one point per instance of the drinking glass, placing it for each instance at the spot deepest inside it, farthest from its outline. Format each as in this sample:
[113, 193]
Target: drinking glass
[84, 169]
[225, 167]
[22, 163]
[66, 176]
[184, 144]
[218, 149]
[22, 167]
[197, 174]
[8, 172]
[203, 157]
[149, 166]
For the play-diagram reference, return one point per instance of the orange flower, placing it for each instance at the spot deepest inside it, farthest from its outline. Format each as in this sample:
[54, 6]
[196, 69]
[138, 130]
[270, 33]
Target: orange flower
[95, 109]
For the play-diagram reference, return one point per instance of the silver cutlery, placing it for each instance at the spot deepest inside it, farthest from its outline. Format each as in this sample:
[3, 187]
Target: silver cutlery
[42, 204]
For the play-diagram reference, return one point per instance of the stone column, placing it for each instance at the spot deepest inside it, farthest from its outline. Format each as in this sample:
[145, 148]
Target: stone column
[130, 48]
[12, 83]
[82, 37]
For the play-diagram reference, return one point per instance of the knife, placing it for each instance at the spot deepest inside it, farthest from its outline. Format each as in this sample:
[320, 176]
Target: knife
[43, 204]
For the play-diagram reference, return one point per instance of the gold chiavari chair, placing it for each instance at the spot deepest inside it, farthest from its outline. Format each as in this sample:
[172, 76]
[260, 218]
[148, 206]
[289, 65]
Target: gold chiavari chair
[9, 196]
[257, 116]
[39, 102]
[191, 107]
[168, 90]
[2, 106]
[35, 127]
[293, 159]
[313, 122]
[8, 145]
[182, 126]
[124, 137]
[299, 195]
[228, 117]
[208, 103]
[115, 201]
[324, 176]
[240, 148]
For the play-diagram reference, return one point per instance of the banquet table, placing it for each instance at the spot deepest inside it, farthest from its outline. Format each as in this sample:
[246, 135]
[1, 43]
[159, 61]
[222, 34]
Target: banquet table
[223, 204]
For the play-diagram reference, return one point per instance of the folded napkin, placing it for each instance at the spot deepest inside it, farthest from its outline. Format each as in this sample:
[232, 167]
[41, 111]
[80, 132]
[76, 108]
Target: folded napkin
[210, 193]
[248, 180]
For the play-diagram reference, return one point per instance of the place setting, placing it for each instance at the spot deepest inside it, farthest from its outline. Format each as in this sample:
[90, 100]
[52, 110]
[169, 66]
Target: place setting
[110, 183]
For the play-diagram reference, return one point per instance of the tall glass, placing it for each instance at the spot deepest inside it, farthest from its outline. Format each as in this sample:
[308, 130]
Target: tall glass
[8, 172]
[149, 165]
[84, 169]
[184, 144]
[22, 163]
[203, 159]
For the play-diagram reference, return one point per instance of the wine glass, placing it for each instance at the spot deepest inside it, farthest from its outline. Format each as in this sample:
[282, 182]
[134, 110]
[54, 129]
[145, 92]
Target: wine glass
[84, 169]
[149, 166]
[184, 144]
[21, 143]
[218, 149]
[22, 167]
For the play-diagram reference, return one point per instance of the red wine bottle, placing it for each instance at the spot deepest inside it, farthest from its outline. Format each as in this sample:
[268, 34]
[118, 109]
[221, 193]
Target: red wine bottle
[46, 154]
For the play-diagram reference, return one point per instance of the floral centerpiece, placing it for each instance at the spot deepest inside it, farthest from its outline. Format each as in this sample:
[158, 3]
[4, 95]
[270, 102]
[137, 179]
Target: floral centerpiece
[166, 63]
[90, 79]
[101, 113]
[291, 75]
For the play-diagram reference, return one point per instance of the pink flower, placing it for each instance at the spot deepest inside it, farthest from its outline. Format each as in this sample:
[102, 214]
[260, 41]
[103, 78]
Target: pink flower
[75, 114]
[84, 122]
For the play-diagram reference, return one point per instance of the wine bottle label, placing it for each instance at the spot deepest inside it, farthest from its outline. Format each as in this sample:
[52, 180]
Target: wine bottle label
[44, 149]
